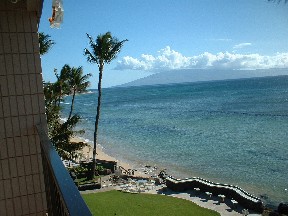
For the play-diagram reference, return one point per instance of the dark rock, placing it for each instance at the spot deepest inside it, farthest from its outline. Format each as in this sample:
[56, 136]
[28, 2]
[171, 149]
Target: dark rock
[283, 208]
[274, 213]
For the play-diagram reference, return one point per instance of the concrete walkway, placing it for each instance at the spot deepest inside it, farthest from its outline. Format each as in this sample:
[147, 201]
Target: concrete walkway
[215, 203]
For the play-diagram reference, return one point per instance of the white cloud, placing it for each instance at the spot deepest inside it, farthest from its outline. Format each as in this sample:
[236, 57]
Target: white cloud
[241, 45]
[168, 59]
[134, 64]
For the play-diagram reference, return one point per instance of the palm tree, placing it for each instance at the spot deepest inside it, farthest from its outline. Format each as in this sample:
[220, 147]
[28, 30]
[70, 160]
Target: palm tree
[45, 43]
[77, 83]
[61, 132]
[104, 49]
[62, 84]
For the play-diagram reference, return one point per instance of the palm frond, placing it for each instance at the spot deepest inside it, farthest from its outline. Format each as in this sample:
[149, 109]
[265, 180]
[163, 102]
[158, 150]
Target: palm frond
[104, 49]
[45, 43]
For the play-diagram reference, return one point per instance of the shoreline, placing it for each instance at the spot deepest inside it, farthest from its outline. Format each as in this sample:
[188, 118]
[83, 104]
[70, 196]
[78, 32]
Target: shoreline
[87, 153]
[146, 171]
[190, 195]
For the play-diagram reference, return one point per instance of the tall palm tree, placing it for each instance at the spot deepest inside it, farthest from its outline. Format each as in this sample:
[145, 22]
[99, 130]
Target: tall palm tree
[77, 83]
[103, 50]
[45, 43]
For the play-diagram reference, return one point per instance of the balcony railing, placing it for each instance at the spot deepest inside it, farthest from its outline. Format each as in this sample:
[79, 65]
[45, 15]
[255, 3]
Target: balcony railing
[63, 197]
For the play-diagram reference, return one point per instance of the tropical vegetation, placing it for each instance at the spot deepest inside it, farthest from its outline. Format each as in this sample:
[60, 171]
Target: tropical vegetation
[45, 43]
[78, 83]
[69, 81]
[103, 50]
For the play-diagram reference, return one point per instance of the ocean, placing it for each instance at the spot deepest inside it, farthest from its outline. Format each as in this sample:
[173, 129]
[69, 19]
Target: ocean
[232, 131]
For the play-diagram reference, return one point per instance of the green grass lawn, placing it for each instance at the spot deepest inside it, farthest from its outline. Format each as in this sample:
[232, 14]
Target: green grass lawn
[125, 204]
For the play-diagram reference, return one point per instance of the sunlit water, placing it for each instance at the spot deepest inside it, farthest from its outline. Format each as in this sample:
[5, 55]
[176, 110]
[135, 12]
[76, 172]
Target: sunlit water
[226, 131]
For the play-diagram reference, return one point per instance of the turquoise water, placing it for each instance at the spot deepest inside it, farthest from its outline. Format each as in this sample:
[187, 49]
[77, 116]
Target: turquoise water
[226, 131]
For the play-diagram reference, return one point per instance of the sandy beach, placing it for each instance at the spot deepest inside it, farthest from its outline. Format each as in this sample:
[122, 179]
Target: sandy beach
[87, 153]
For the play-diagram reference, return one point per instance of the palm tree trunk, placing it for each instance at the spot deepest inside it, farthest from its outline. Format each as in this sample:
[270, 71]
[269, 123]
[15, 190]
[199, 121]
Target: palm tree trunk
[60, 96]
[72, 103]
[97, 118]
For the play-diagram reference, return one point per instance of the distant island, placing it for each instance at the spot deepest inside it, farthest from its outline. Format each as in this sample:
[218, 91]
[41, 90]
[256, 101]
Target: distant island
[196, 75]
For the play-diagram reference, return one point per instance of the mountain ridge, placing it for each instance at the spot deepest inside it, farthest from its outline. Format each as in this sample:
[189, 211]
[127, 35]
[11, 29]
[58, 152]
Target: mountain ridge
[194, 75]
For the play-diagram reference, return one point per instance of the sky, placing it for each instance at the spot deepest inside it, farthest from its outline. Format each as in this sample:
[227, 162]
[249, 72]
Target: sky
[165, 35]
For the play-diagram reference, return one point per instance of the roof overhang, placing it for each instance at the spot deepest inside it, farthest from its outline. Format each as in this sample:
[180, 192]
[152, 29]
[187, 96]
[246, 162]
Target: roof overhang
[26, 5]
[35, 5]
